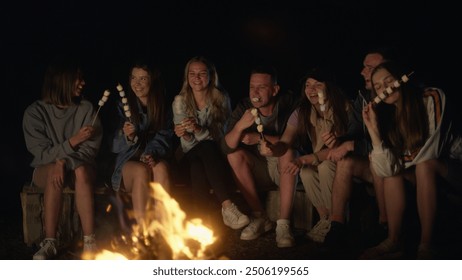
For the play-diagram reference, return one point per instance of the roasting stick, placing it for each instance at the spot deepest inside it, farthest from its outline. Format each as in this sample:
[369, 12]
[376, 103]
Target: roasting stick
[396, 84]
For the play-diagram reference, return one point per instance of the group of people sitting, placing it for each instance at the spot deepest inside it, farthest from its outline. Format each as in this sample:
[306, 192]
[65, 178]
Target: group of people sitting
[392, 134]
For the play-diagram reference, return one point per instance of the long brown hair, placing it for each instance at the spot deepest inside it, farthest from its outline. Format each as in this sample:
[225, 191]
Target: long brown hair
[157, 117]
[408, 129]
[337, 100]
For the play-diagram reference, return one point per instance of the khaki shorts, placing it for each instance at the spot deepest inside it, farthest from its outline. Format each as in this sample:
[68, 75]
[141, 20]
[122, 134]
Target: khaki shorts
[265, 171]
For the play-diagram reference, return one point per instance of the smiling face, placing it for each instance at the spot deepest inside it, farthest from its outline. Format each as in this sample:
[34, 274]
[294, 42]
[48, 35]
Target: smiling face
[383, 79]
[198, 76]
[312, 87]
[79, 84]
[140, 82]
[262, 90]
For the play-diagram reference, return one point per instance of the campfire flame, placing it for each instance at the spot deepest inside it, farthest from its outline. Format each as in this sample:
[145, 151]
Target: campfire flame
[164, 223]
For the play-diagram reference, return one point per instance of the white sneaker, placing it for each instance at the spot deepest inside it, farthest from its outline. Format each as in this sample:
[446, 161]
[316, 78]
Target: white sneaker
[319, 231]
[284, 236]
[257, 227]
[233, 218]
[47, 251]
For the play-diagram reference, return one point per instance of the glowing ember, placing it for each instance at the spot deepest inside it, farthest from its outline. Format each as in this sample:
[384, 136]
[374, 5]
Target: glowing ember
[108, 255]
[165, 223]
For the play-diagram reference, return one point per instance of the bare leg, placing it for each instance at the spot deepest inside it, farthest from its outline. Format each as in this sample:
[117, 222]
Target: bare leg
[395, 204]
[52, 198]
[286, 186]
[347, 168]
[241, 165]
[84, 180]
[136, 177]
[379, 196]
[161, 175]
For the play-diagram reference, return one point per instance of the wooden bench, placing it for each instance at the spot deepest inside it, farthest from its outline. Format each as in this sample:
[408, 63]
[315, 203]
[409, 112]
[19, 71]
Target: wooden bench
[69, 226]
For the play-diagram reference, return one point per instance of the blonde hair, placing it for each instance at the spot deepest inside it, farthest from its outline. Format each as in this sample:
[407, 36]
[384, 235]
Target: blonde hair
[217, 97]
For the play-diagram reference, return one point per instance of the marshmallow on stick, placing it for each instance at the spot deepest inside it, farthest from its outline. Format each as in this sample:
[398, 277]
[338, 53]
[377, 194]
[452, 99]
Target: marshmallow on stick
[101, 102]
[127, 111]
[322, 105]
[389, 90]
[254, 112]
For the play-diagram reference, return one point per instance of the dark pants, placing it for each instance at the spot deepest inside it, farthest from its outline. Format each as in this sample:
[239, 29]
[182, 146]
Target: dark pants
[208, 169]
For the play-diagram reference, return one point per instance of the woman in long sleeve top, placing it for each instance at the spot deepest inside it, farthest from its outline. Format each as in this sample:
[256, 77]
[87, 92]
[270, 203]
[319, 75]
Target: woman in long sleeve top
[143, 140]
[58, 132]
[201, 111]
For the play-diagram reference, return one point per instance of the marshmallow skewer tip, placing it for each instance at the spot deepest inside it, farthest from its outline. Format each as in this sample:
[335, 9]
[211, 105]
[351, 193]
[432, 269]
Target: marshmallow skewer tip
[101, 103]
[389, 90]
[322, 105]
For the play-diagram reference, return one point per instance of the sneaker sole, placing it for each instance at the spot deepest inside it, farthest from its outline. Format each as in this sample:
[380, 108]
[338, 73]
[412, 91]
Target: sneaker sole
[268, 227]
[239, 226]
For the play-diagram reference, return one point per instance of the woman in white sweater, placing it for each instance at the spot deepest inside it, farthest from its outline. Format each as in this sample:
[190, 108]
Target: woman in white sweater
[200, 114]
[413, 141]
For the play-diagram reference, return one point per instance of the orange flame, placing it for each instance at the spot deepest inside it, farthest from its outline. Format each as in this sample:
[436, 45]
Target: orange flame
[164, 217]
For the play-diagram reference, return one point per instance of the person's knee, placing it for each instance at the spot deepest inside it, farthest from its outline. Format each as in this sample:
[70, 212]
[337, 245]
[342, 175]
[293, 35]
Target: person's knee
[161, 168]
[307, 175]
[345, 163]
[84, 173]
[428, 166]
[237, 158]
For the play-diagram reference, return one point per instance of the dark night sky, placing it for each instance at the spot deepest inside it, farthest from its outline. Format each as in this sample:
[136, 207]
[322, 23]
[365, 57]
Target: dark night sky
[234, 34]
